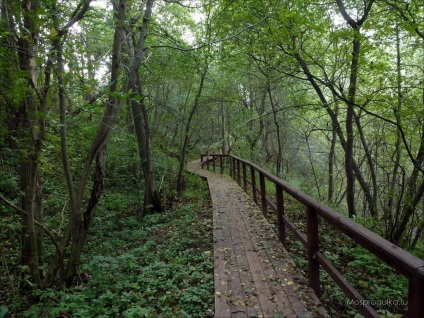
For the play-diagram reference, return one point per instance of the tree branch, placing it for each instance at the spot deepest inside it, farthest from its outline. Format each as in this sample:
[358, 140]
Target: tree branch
[46, 230]
[190, 7]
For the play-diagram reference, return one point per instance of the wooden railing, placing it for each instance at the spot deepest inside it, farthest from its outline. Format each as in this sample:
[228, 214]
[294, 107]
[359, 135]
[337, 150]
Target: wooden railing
[402, 261]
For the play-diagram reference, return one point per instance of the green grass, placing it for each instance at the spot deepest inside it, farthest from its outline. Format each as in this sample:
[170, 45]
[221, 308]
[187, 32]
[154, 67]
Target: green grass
[160, 265]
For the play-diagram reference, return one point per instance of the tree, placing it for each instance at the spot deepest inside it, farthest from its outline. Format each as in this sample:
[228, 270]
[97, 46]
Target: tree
[32, 132]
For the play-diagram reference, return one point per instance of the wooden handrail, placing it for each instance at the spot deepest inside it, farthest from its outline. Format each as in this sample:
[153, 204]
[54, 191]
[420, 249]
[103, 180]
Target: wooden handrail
[399, 259]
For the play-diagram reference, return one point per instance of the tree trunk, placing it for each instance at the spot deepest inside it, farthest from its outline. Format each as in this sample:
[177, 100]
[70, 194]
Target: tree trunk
[336, 127]
[279, 160]
[350, 176]
[152, 200]
[331, 160]
[31, 132]
[370, 162]
[222, 113]
[388, 214]
[180, 180]
[80, 221]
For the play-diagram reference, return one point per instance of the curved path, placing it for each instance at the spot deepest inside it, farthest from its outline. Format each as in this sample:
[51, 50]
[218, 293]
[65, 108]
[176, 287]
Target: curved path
[254, 275]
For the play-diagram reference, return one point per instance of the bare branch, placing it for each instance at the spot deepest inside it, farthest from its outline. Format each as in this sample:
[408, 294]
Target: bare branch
[46, 230]
[209, 43]
[188, 6]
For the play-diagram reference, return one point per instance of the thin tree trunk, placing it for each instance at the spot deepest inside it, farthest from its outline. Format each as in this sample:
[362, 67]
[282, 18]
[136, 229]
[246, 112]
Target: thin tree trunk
[312, 166]
[350, 176]
[79, 221]
[392, 186]
[331, 159]
[180, 179]
[222, 113]
[152, 200]
[336, 127]
[370, 162]
[279, 160]
[33, 138]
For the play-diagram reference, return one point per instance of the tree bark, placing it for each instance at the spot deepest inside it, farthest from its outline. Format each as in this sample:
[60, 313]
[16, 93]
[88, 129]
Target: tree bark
[31, 147]
[279, 160]
[331, 161]
[152, 200]
[180, 179]
[80, 221]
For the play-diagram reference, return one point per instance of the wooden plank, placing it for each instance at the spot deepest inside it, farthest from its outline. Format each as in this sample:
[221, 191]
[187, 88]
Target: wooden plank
[263, 194]
[312, 249]
[244, 177]
[246, 280]
[234, 294]
[280, 213]
[415, 297]
[253, 183]
[399, 259]
[262, 287]
[277, 300]
[287, 274]
[222, 308]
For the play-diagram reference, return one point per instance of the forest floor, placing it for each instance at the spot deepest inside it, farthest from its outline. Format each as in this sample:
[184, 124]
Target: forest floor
[157, 265]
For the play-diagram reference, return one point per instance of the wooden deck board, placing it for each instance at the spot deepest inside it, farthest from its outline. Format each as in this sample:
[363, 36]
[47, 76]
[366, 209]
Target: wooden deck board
[235, 294]
[247, 286]
[276, 281]
[222, 308]
[254, 276]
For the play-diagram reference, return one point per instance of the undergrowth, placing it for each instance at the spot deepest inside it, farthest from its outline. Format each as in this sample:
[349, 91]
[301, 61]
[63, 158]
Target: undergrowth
[160, 265]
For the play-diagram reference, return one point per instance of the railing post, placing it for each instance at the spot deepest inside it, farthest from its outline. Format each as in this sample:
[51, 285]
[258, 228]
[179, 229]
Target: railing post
[244, 177]
[221, 164]
[280, 213]
[238, 173]
[252, 177]
[207, 160]
[213, 162]
[415, 296]
[263, 194]
[201, 160]
[233, 164]
[313, 244]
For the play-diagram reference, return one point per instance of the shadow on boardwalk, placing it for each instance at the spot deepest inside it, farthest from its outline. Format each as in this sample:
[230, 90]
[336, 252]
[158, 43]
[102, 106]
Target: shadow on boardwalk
[254, 276]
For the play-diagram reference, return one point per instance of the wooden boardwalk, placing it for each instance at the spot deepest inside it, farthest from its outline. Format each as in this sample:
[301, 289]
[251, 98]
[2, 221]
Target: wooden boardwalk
[254, 276]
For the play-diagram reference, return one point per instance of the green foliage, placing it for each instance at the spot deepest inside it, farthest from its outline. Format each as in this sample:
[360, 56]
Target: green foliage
[3, 311]
[158, 266]
[9, 182]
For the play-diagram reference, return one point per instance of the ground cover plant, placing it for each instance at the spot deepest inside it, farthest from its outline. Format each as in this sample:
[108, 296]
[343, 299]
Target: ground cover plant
[159, 265]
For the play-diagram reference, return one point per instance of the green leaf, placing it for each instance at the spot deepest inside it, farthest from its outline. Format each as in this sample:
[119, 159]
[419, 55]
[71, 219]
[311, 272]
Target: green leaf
[137, 98]
[3, 311]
